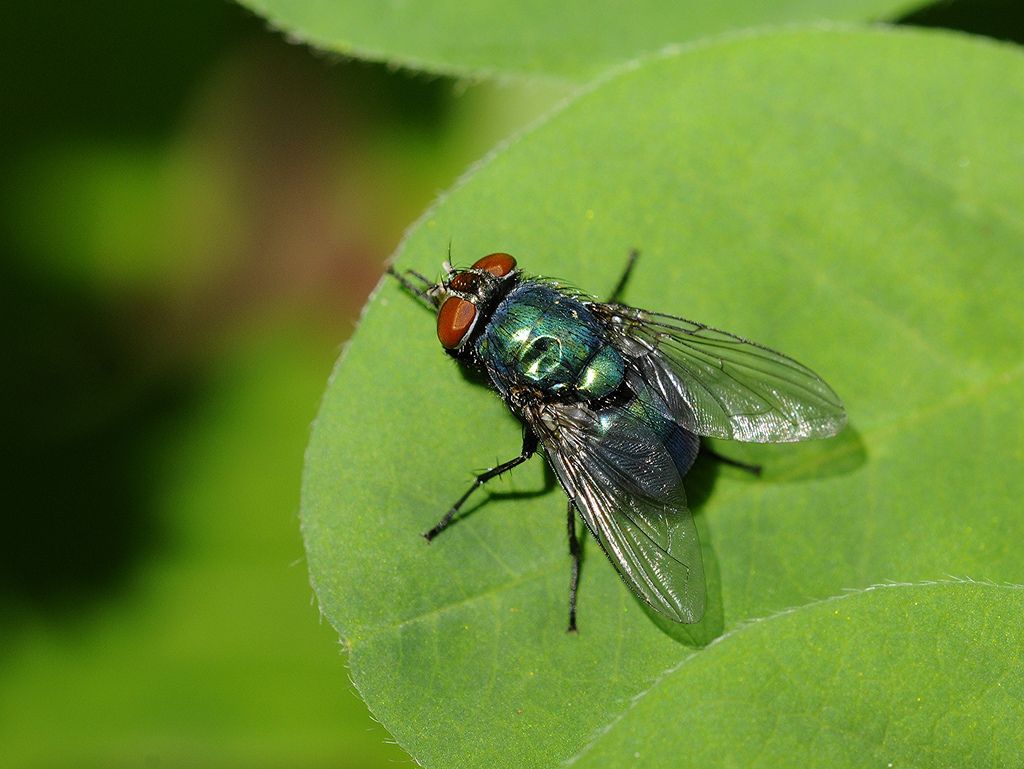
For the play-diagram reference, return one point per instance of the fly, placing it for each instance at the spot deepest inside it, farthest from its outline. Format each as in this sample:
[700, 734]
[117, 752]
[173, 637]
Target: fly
[617, 398]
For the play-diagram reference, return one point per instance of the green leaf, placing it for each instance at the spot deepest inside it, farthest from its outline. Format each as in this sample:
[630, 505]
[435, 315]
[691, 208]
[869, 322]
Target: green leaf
[900, 676]
[851, 197]
[566, 40]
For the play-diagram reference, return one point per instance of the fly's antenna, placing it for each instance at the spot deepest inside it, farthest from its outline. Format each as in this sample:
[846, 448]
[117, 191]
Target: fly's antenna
[428, 293]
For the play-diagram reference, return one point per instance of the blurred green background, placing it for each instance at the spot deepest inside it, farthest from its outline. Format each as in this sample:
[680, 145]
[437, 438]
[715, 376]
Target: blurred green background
[193, 212]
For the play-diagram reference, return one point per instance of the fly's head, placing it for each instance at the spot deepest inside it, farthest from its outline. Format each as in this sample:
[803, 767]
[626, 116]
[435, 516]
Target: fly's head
[466, 298]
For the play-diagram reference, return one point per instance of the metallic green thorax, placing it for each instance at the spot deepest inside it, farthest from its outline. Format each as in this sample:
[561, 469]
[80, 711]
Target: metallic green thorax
[542, 337]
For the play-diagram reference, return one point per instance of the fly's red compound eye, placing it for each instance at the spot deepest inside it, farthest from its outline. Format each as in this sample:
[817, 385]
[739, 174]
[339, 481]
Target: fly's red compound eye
[454, 321]
[499, 265]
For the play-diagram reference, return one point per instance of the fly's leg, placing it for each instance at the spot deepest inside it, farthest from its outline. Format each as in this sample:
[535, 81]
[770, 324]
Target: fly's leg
[427, 282]
[422, 293]
[630, 261]
[529, 447]
[752, 469]
[574, 579]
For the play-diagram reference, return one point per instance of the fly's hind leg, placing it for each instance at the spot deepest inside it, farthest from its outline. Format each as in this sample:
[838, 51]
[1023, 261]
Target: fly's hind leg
[752, 469]
[529, 447]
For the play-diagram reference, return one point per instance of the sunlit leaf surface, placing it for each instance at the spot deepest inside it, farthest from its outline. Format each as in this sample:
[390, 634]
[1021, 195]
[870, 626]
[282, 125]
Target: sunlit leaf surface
[852, 198]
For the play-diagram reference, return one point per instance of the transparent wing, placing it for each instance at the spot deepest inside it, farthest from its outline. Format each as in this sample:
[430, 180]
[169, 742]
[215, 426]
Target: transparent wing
[721, 385]
[626, 482]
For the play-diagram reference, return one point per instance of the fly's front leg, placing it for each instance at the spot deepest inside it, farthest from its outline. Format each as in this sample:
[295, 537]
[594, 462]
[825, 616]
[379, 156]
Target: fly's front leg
[630, 261]
[574, 579]
[424, 293]
[529, 447]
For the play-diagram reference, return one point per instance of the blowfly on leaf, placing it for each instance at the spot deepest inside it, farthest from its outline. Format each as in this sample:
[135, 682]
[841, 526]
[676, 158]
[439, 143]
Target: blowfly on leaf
[617, 399]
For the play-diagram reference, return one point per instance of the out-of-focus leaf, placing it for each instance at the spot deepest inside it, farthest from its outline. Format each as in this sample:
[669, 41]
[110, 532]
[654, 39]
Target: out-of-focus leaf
[212, 655]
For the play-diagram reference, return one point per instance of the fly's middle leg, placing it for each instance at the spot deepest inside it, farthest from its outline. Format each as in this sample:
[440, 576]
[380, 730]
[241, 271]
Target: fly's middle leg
[630, 262]
[574, 579]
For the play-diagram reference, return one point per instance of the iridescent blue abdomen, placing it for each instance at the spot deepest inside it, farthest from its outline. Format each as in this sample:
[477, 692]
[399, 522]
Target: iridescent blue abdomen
[542, 337]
